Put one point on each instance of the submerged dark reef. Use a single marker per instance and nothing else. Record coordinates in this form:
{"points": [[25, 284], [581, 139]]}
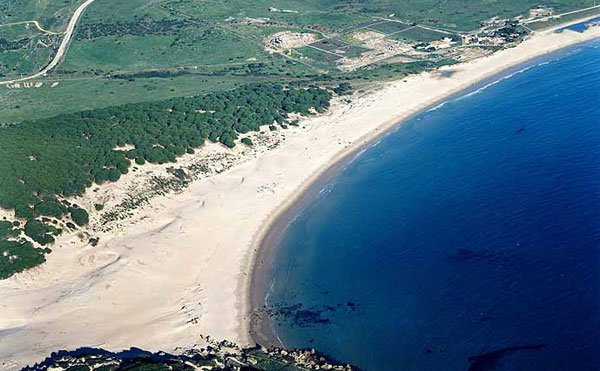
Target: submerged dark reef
{"points": [[489, 361]]}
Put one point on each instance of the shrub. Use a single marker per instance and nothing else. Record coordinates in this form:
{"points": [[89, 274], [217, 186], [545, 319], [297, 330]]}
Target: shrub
{"points": [[79, 216], [17, 256], [50, 208], [114, 175], [39, 232], [343, 88], [24, 212]]}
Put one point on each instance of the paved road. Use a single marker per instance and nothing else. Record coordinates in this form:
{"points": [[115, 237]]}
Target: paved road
{"points": [[61, 49], [543, 19]]}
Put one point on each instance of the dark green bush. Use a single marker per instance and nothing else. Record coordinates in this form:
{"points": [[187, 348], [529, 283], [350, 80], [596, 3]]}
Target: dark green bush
{"points": [[343, 88], [39, 232], [50, 208], [79, 216], [17, 256], [24, 212]]}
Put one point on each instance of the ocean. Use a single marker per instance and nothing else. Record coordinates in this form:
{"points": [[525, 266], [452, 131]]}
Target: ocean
{"points": [[468, 238]]}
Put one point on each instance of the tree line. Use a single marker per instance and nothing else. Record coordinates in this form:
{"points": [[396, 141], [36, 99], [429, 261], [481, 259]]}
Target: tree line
{"points": [[143, 27]]}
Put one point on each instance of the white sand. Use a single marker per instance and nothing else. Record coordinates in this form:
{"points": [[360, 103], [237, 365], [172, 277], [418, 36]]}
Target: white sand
{"points": [[183, 270]]}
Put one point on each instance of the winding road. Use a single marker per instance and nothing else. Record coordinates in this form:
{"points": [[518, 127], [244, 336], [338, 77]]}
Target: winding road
{"points": [[37, 25], [61, 49]]}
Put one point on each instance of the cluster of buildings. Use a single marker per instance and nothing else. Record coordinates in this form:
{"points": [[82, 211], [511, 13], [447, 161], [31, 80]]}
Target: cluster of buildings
{"points": [[495, 32], [444, 43], [540, 12]]}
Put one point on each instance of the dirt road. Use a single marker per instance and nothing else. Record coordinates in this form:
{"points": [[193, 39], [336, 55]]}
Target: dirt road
{"points": [[61, 49], [37, 25]]}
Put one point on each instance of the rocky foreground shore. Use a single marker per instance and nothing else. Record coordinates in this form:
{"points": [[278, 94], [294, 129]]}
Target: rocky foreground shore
{"points": [[216, 356]]}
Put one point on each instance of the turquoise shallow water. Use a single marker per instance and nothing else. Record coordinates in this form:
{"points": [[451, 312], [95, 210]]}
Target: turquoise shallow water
{"points": [[467, 238]]}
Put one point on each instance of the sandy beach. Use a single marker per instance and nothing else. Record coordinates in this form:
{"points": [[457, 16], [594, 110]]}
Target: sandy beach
{"points": [[183, 268]]}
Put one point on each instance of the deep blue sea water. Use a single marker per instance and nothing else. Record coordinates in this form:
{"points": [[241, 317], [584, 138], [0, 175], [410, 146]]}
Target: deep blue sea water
{"points": [[579, 27], [472, 228]]}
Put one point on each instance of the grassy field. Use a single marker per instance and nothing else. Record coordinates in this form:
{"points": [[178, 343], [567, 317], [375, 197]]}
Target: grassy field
{"points": [[52, 14], [221, 43], [24, 48], [389, 28], [192, 48], [26, 57], [77, 94]]}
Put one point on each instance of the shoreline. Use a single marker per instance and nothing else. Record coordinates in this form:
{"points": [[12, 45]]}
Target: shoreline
{"points": [[273, 229], [182, 268]]}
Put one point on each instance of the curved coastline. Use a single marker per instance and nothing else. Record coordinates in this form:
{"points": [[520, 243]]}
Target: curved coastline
{"points": [[255, 286], [186, 258]]}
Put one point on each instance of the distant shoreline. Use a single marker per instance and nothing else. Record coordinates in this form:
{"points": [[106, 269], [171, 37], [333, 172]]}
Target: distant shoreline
{"points": [[260, 326]]}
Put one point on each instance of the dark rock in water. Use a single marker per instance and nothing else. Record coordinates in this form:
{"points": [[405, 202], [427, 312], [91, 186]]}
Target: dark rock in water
{"points": [[308, 317], [298, 315], [488, 361]]}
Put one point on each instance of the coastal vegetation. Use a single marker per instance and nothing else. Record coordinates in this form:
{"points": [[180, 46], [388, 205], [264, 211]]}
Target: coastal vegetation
{"points": [[48, 161]]}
